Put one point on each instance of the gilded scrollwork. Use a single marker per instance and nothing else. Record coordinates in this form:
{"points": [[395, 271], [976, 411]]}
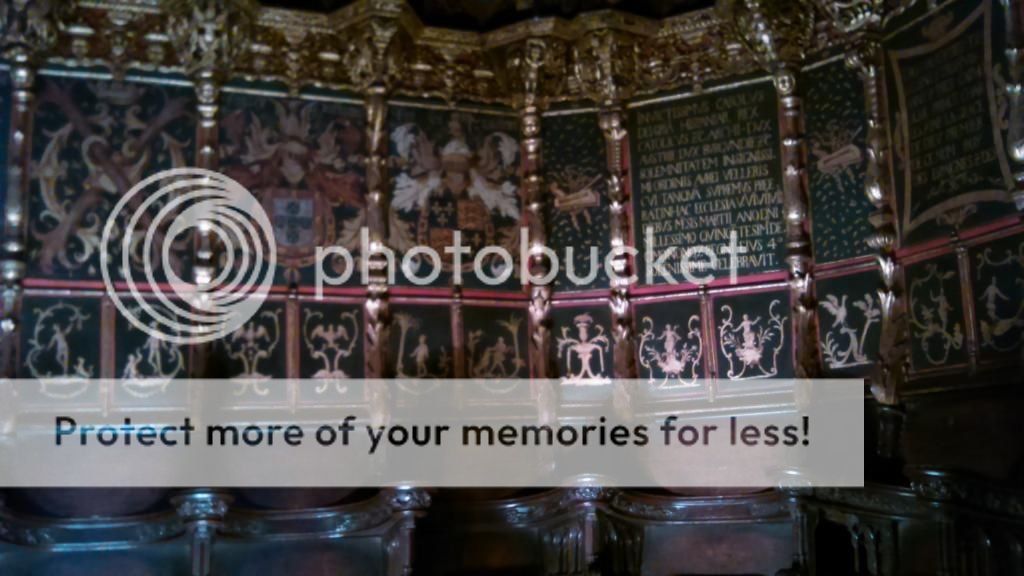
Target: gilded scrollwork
{"points": [[369, 42]]}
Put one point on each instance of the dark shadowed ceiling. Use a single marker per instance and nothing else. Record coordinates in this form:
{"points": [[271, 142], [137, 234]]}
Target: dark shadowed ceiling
{"points": [[486, 15]]}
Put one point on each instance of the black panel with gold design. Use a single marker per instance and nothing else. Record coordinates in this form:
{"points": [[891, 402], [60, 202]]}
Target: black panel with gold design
{"points": [[997, 277], [575, 170], [454, 171], [495, 339], [947, 90], [421, 341], [60, 337], [836, 129], [703, 167], [583, 343], [92, 141], [304, 162], [670, 344], [146, 363], [330, 351], [754, 335], [849, 322], [257, 350], [937, 330]]}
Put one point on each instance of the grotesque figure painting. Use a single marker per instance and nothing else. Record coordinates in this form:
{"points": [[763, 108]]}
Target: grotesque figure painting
{"points": [[92, 142]]}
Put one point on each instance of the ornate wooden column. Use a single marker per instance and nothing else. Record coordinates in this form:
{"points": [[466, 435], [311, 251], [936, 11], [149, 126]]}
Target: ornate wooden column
{"points": [[208, 36], [863, 20], [29, 31], [605, 63], [373, 63], [1015, 94], [526, 61], [778, 33]]}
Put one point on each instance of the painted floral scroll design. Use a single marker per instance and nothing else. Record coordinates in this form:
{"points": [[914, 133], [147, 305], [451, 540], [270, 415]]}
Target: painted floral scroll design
{"points": [[584, 352], [251, 345], [751, 346], [51, 353], [844, 342], [100, 141], [150, 366], [330, 344], [673, 357], [937, 333], [1000, 319]]}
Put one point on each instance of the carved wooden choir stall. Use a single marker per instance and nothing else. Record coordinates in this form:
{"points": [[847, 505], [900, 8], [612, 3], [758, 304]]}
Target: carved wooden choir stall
{"points": [[868, 154]]}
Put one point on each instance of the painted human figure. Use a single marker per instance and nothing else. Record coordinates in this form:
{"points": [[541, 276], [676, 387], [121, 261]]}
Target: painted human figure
{"points": [[991, 296], [943, 307], [498, 353], [421, 354], [59, 343], [670, 337], [747, 327]]}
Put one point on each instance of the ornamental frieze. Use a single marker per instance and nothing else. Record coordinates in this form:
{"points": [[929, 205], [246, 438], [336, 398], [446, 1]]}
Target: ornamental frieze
{"points": [[370, 41]]}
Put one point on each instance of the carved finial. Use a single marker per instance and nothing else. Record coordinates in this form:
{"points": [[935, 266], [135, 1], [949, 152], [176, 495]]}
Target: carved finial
{"points": [[28, 28], [606, 64], [209, 35], [855, 16], [372, 58], [777, 32]]}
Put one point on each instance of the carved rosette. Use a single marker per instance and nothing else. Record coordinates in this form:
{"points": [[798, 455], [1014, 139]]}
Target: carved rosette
{"points": [[778, 33], [28, 31]]}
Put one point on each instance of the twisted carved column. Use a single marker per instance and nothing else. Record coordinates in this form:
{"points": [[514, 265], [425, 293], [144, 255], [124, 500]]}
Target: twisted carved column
{"points": [[373, 64], [777, 33], [866, 56], [29, 31], [208, 37]]}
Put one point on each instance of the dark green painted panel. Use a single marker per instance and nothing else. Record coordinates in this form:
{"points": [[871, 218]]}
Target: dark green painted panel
{"points": [[836, 128], [575, 171], [670, 343], [754, 335], [849, 322], [937, 330], [997, 276], [949, 115]]}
